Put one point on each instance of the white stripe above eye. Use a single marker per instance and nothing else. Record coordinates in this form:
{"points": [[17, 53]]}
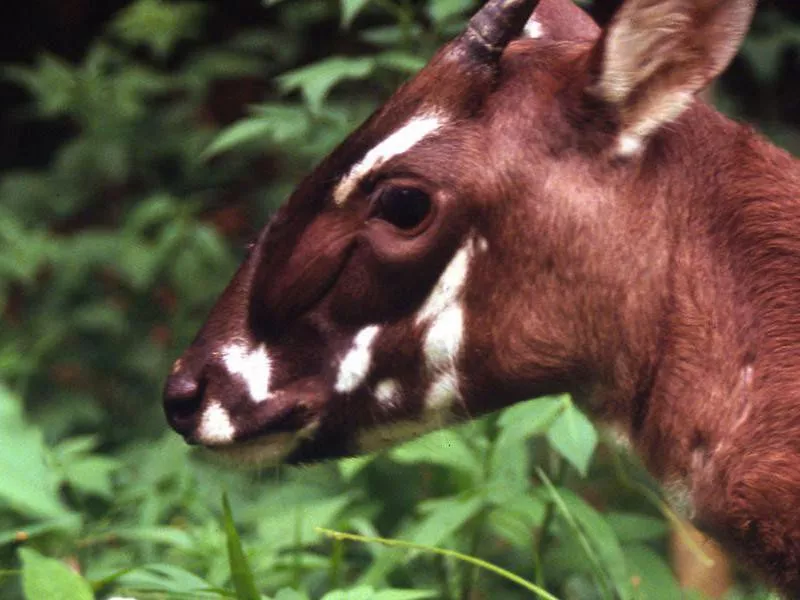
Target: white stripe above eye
{"points": [[397, 143]]}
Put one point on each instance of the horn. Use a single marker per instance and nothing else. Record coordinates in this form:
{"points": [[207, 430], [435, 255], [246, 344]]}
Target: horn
{"points": [[491, 29]]}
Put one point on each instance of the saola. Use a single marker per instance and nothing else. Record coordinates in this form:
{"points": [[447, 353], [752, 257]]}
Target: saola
{"points": [[549, 213]]}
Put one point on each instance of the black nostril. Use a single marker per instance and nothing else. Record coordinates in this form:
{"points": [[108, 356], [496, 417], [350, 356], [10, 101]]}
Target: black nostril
{"points": [[183, 398]]}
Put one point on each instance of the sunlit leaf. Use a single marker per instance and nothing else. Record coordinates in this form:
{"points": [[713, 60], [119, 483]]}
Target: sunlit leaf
{"points": [[317, 79], [30, 485], [574, 437], [350, 10], [651, 576], [46, 578], [446, 447], [444, 518]]}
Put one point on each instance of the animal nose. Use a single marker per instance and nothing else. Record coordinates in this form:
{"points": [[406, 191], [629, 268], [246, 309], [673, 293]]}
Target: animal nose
{"points": [[183, 397]]}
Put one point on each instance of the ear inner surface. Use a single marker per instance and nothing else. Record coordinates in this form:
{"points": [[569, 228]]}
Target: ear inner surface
{"points": [[657, 54]]}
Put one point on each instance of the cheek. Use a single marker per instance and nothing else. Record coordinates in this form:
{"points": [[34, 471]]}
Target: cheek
{"points": [[369, 291]]}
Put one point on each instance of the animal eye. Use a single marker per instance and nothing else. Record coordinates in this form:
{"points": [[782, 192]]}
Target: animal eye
{"points": [[403, 207]]}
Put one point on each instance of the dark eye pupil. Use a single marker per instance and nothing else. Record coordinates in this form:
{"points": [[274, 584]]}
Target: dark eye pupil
{"points": [[404, 207]]}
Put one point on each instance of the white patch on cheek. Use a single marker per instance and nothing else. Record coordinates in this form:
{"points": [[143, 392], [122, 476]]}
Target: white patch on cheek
{"points": [[450, 285], [387, 392], [443, 340], [533, 29], [444, 315], [354, 367], [442, 394], [215, 425], [397, 143], [253, 366]]}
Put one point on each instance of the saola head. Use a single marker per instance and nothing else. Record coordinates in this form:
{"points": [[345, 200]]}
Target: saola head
{"points": [[479, 240]]}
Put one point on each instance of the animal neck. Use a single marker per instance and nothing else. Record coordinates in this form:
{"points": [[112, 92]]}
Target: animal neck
{"points": [[727, 340]]}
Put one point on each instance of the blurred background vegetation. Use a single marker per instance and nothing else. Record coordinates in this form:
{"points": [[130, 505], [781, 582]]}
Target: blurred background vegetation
{"points": [[143, 144]]}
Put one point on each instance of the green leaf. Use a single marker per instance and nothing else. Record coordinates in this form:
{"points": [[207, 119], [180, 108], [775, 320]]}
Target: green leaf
{"points": [[316, 80], [651, 576], [92, 475], [350, 10], [30, 485], [599, 540], [241, 573], [46, 578], [631, 527], [444, 518], [167, 578], [446, 448], [402, 62], [441, 11], [534, 417], [271, 123], [159, 25], [290, 594], [574, 437]]}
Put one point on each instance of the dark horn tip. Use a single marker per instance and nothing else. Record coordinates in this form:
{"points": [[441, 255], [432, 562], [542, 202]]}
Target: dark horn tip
{"points": [[496, 24]]}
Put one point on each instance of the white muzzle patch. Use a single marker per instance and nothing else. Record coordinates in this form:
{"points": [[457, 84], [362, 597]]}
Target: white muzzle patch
{"points": [[252, 366]]}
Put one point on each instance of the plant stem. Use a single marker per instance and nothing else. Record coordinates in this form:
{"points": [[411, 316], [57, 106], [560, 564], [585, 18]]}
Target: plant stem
{"points": [[541, 593]]}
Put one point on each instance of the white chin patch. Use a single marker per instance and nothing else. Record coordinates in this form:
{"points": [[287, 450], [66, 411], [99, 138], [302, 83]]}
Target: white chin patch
{"points": [[252, 366], [355, 365], [269, 451], [390, 434], [215, 426]]}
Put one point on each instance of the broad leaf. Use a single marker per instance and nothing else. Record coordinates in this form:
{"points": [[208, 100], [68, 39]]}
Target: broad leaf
{"points": [[651, 576], [574, 437], [350, 10], [30, 486], [445, 518], [446, 448], [50, 579], [317, 79]]}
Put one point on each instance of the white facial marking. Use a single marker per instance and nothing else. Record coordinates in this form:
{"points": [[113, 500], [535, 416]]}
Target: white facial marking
{"points": [[215, 425], [356, 363], [397, 143], [533, 29], [253, 366], [448, 289], [443, 340], [387, 392], [442, 393], [628, 145]]}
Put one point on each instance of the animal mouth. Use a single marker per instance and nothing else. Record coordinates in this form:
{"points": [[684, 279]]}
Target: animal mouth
{"points": [[274, 429]]}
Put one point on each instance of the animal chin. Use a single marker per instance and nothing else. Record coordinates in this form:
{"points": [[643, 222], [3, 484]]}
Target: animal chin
{"points": [[268, 450]]}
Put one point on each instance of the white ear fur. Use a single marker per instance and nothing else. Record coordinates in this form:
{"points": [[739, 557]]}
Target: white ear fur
{"points": [[657, 54]]}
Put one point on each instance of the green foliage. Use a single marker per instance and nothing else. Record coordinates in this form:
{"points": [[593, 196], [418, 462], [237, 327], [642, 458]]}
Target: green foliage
{"points": [[112, 255]]}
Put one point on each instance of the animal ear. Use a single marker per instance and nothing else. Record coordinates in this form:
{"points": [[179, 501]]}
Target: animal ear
{"points": [[657, 54]]}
